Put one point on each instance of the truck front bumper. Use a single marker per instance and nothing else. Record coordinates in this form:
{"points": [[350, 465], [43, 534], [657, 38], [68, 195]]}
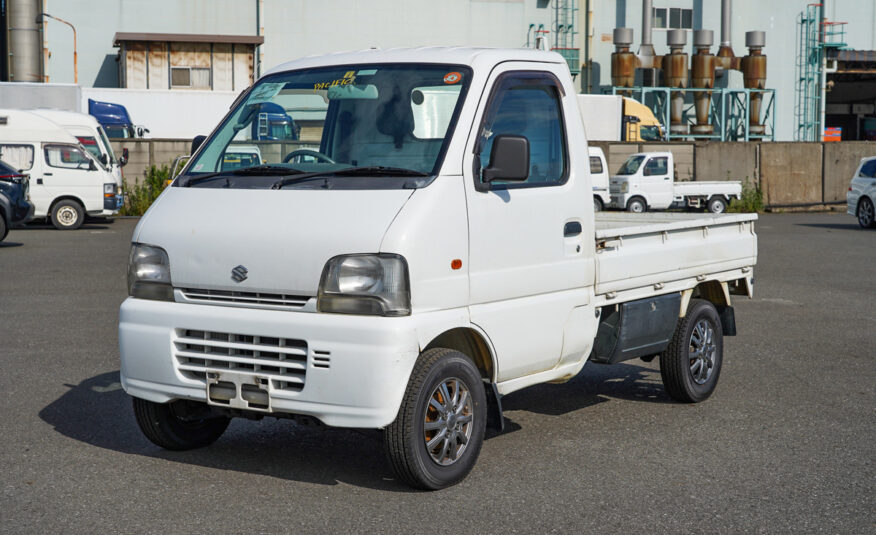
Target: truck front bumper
{"points": [[619, 200], [346, 371]]}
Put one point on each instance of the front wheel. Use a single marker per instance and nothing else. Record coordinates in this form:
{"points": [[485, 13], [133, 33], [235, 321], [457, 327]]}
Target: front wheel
{"points": [[67, 215], [597, 204], [636, 205], [717, 205], [4, 230], [437, 436], [866, 215], [691, 363], [176, 425]]}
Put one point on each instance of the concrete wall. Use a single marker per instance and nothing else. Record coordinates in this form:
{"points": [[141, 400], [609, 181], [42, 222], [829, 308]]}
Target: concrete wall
{"points": [[790, 173], [727, 161], [840, 161]]}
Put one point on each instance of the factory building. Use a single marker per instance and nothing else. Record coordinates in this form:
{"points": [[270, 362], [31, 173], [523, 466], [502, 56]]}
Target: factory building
{"points": [[819, 73]]}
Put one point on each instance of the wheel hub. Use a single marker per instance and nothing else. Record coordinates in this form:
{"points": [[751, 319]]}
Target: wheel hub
{"points": [[448, 421], [702, 352]]}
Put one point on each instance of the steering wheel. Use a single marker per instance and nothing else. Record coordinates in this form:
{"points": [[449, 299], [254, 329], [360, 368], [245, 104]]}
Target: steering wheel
{"points": [[307, 152]]}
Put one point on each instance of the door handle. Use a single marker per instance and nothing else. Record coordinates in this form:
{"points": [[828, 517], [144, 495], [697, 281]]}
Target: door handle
{"points": [[47, 174], [572, 228]]}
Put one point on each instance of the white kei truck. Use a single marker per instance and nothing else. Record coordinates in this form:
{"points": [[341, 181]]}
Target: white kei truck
{"points": [[419, 266], [646, 181]]}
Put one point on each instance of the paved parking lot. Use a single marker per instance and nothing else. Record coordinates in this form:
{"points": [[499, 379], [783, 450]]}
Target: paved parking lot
{"points": [[786, 444]]}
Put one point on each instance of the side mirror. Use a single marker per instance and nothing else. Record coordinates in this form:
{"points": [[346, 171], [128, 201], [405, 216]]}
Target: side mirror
{"points": [[197, 142], [104, 159], [123, 161], [509, 160], [92, 166]]}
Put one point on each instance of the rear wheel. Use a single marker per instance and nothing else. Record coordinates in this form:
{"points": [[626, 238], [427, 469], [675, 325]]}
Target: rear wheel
{"points": [[691, 364], [636, 205], [866, 215], [4, 230], [437, 436], [717, 205], [67, 215], [176, 425]]}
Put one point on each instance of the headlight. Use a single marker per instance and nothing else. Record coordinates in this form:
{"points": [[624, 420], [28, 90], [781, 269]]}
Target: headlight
{"points": [[624, 187], [149, 273], [365, 284]]}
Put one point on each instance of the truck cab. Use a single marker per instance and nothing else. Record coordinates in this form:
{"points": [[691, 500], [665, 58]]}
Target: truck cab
{"points": [[115, 120], [599, 178]]}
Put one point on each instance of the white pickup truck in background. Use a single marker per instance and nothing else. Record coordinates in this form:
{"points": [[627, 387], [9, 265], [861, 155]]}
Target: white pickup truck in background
{"points": [[646, 181], [421, 264], [599, 178]]}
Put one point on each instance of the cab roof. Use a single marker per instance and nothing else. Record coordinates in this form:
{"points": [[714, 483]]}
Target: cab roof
{"points": [[25, 126], [67, 118], [473, 57]]}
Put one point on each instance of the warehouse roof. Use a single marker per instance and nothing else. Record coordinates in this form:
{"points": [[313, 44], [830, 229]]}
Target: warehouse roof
{"points": [[188, 38]]}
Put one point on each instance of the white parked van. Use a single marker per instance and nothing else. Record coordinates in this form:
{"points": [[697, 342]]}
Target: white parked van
{"points": [[66, 181], [89, 132]]}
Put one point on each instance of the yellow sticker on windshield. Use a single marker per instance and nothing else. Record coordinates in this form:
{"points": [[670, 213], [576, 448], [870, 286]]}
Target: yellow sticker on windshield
{"points": [[349, 78]]}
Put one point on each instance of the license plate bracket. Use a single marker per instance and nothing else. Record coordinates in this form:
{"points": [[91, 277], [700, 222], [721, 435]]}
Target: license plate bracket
{"points": [[239, 391]]}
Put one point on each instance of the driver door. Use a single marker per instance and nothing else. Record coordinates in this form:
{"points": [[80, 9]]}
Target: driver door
{"points": [[657, 182], [67, 170]]}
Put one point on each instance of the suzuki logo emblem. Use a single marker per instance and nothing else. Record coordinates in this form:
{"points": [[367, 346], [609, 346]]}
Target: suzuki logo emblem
{"points": [[239, 274]]}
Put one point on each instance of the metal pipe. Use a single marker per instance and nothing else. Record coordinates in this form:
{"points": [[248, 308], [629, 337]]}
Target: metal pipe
{"points": [[703, 76], [75, 54], [725, 23], [24, 41], [754, 67], [647, 12], [646, 50], [623, 62], [675, 68]]}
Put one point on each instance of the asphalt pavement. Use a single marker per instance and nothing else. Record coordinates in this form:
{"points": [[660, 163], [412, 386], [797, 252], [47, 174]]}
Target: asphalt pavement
{"points": [[786, 444]]}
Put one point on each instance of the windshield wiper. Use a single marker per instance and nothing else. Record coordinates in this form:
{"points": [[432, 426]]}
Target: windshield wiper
{"points": [[258, 170], [374, 170]]}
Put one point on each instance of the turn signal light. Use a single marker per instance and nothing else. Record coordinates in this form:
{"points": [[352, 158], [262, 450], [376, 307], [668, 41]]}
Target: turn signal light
{"points": [[455, 264]]}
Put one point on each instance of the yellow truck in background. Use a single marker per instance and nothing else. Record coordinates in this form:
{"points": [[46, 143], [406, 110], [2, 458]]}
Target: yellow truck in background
{"points": [[618, 118]]}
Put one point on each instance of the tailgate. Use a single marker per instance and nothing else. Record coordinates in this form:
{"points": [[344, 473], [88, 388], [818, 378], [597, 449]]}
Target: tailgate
{"points": [[639, 250]]}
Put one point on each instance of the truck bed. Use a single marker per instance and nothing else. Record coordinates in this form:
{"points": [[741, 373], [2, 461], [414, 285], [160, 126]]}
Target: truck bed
{"points": [[652, 253], [703, 188]]}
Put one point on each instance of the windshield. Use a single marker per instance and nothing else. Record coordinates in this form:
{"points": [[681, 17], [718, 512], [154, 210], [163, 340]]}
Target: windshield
{"points": [[107, 146], [331, 119], [650, 133], [631, 165]]}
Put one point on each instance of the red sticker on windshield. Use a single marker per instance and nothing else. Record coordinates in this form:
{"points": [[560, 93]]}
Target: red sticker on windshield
{"points": [[452, 77]]}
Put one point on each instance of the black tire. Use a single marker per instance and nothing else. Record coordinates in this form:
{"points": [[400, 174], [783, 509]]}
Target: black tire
{"points": [[686, 377], [67, 215], [866, 213], [163, 427], [405, 440], [597, 204], [637, 205], [4, 229], [717, 205]]}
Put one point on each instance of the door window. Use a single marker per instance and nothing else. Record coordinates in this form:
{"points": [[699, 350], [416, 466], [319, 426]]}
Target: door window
{"points": [[868, 170], [657, 166], [66, 157], [595, 165], [528, 105], [18, 156]]}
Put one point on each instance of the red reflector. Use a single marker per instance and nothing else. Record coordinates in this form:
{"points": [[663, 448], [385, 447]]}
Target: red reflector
{"points": [[456, 264]]}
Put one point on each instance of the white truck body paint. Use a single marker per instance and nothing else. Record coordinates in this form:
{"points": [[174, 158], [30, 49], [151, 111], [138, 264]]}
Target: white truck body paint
{"points": [[528, 287]]}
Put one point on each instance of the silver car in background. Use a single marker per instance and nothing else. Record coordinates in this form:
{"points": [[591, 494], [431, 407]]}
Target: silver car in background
{"points": [[862, 193]]}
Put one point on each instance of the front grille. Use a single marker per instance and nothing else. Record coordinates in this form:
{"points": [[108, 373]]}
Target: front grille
{"points": [[250, 299], [281, 360]]}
